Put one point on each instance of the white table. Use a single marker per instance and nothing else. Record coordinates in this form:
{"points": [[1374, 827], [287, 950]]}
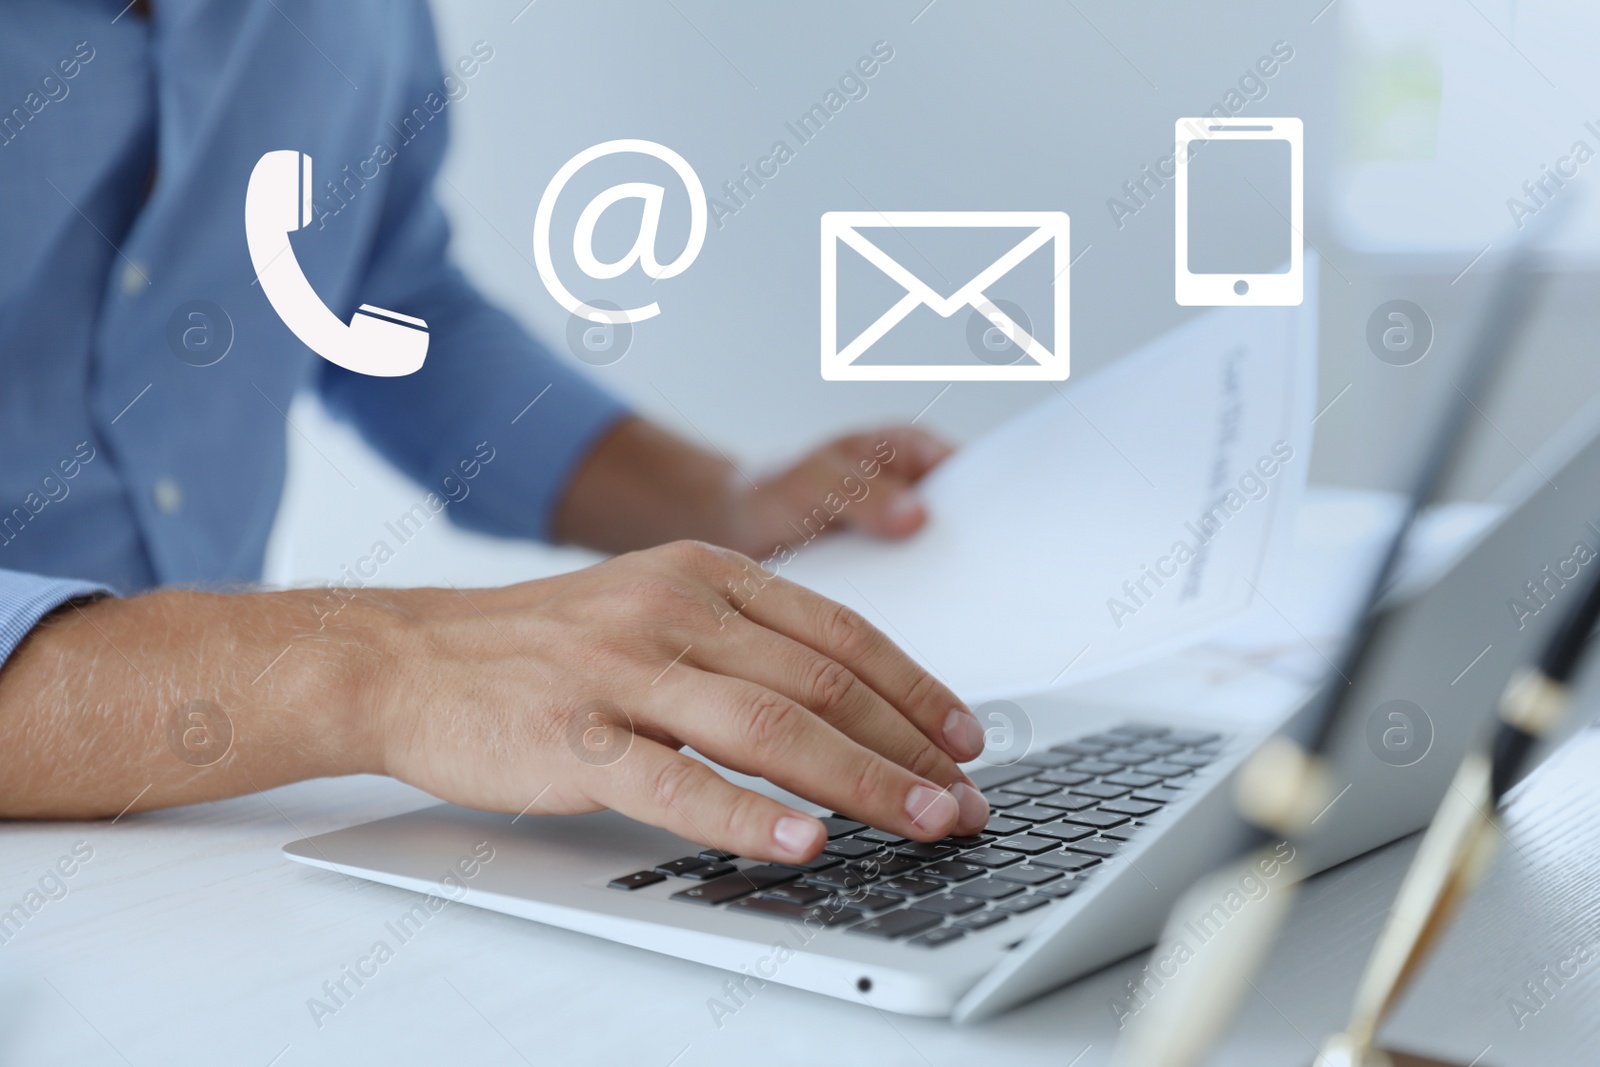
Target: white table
{"points": [[188, 938]]}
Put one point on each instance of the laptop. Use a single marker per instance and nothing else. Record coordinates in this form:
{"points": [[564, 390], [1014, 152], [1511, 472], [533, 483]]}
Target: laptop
{"points": [[1094, 832]]}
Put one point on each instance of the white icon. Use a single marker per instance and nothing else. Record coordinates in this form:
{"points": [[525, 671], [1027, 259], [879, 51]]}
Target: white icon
{"points": [[840, 363], [384, 344], [643, 251], [1218, 288]]}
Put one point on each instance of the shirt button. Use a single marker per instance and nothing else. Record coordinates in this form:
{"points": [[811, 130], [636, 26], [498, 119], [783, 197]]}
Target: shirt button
{"points": [[169, 498], [134, 279]]}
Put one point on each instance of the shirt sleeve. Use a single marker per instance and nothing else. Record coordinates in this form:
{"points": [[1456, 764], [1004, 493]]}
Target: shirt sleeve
{"points": [[27, 598], [487, 387]]}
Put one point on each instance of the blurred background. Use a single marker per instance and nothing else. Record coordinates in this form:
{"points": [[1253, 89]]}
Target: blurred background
{"points": [[1427, 124]]}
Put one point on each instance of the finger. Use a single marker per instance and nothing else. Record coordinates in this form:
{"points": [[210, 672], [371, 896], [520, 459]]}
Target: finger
{"points": [[754, 730], [908, 451], [846, 637], [898, 456], [657, 785], [832, 692]]}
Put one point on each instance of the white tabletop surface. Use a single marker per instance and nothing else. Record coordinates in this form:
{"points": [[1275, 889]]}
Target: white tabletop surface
{"points": [[186, 937]]}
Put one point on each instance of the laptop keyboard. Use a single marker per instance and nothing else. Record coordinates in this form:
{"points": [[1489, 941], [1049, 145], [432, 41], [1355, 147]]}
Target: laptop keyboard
{"points": [[1056, 817]]}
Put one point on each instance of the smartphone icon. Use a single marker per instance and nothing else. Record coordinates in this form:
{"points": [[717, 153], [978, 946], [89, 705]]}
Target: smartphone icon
{"points": [[1240, 206], [277, 202]]}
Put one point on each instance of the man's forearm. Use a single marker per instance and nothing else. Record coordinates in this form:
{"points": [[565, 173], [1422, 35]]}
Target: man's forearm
{"points": [[642, 486], [177, 697]]}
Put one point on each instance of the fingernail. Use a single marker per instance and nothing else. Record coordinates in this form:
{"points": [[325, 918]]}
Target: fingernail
{"points": [[974, 809], [931, 810], [797, 836], [903, 507], [962, 734]]}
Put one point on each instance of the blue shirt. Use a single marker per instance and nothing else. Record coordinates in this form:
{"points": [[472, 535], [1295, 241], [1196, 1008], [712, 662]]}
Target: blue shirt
{"points": [[125, 150]]}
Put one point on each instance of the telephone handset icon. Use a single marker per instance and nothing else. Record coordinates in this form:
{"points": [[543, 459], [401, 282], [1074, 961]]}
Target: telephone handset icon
{"points": [[277, 202]]}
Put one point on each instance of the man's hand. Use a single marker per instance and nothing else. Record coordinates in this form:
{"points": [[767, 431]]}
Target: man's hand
{"points": [[641, 486], [567, 694], [863, 482], [574, 693]]}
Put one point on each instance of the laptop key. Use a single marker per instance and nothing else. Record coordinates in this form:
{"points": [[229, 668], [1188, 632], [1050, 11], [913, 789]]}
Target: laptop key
{"points": [[874, 901], [882, 837], [1191, 737], [1190, 759], [990, 857], [823, 862], [804, 895], [1100, 820], [1128, 757], [1062, 831], [716, 855], [1081, 748], [1141, 730], [1096, 766], [708, 871], [1135, 808], [970, 841], [990, 889], [1103, 849], [1065, 861], [949, 904], [736, 885], [1157, 795], [1000, 824], [1157, 748], [1034, 813], [911, 885], [677, 867], [1049, 759], [636, 880], [1028, 845], [1133, 779], [1022, 904], [1064, 888], [1029, 788], [981, 921], [934, 938], [1062, 778], [839, 826], [873, 867], [902, 923], [851, 848], [951, 871], [1101, 790], [783, 909], [991, 777], [999, 799], [1163, 769], [1068, 801], [919, 850], [840, 878], [1120, 833], [1027, 874]]}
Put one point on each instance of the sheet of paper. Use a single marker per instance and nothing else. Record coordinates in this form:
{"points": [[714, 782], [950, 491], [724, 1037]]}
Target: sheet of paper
{"points": [[1126, 516]]}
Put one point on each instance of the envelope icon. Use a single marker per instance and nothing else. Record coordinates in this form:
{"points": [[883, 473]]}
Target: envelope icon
{"points": [[841, 361]]}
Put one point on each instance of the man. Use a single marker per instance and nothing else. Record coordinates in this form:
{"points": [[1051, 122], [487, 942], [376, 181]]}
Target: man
{"points": [[122, 164]]}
